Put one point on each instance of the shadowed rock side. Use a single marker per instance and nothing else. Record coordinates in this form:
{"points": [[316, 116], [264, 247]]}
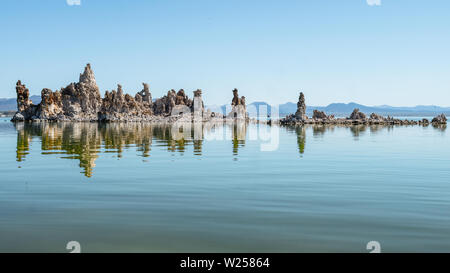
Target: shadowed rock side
{"points": [[355, 118], [82, 102]]}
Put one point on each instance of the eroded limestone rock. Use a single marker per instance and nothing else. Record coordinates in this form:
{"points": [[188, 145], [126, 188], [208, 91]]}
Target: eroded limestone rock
{"points": [[357, 115], [26, 108], [319, 115], [119, 107], [168, 104], [356, 118], [374, 117], [82, 102], [301, 108]]}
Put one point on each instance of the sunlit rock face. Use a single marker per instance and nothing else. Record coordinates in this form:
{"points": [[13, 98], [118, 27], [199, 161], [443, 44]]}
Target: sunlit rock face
{"points": [[119, 107], [376, 117], [166, 105], [82, 102], [78, 101]]}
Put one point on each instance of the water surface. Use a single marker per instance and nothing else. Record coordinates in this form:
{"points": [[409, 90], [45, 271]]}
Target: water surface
{"points": [[139, 188]]}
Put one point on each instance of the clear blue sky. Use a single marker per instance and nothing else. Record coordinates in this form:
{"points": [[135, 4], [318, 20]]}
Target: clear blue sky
{"points": [[396, 53]]}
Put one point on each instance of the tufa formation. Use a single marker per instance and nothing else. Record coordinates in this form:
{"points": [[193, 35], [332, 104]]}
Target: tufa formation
{"points": [[82, 102], [355, 118], [238, 107]]}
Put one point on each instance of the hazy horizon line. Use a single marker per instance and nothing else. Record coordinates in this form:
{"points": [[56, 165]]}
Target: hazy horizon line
{"points": [[293, 102]]}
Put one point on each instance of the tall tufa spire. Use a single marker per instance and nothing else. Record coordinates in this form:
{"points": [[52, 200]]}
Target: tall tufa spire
{"points": [[88, 76], [301, 107]]}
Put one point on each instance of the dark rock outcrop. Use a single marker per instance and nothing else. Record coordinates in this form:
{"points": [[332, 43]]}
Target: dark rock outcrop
{"points": [[319, 115], [356, 115], [26, 108], [441, 119], [238, 106], [236, 100], [376, 117]]}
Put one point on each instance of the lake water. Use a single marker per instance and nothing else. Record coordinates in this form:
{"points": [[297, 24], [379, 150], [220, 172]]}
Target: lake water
{"points": [[141, 188]]}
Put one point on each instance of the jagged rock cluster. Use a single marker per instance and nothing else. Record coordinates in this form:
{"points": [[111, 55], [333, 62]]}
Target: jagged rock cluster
{"points": [[320, 115], [441, 119], [117, 107], [25, 106], [82, 102], [236, 100], [78, 101], [356, 117], [172, 102], [238, 107]]}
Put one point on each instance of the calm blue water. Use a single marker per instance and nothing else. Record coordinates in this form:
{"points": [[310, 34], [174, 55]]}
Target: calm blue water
{"points": [[132, 188]]}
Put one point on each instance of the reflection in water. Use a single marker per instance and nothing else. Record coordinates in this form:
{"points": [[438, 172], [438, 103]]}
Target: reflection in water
{"points": [[300, 131], [358, 130], [440, 127], [301, 139], [84, 142], [320, 130], [239, 133]]}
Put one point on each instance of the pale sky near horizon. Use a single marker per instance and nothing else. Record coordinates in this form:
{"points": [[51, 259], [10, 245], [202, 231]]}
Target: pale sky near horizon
{"points": [[394, 53]]}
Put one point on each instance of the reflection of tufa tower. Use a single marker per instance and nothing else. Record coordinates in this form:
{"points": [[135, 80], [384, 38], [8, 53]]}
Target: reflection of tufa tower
{"points": [[301, 108], [238, 134], [301, 139]]}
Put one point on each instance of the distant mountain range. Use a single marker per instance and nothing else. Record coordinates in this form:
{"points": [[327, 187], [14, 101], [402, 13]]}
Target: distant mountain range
{"points": [[11, 104], [337, 109], [345, 109]]}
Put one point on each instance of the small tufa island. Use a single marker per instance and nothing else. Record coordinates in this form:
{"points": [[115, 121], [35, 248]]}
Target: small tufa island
{"points": [[82, 102], [355, 118]]}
